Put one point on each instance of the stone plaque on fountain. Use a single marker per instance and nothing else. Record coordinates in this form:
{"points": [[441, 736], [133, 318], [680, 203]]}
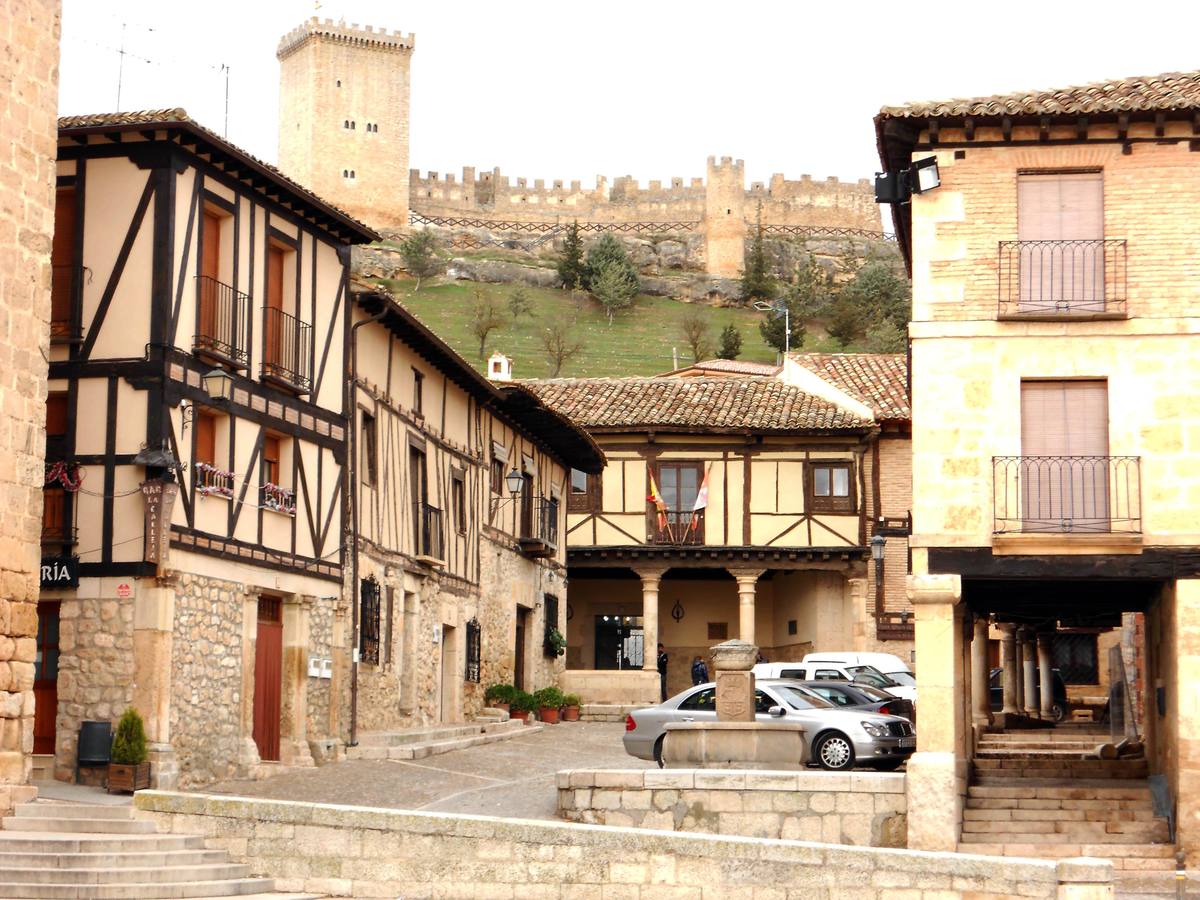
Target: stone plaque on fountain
{"points": [[733, 662]]}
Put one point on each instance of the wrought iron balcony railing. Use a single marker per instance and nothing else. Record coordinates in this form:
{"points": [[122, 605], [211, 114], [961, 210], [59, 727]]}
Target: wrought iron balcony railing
{"points": [[1067, 494], [222, 321], [1055, 279], [287, 347], [539, 528], [428, 530], [677, 527]]}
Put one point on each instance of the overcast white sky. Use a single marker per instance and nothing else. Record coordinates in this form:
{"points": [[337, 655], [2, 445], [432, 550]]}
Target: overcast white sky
{"points": [[564, 89]]}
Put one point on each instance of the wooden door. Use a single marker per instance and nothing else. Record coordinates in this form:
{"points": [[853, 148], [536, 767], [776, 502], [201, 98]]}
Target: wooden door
{"points": [[418, 475], [1060, 222], [45, 679], [210, 272], [527, 505], [519, 655], [273, 324], [268, 677]]}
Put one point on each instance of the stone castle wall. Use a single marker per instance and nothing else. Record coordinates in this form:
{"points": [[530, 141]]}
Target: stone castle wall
{"points": [[28, 138]]}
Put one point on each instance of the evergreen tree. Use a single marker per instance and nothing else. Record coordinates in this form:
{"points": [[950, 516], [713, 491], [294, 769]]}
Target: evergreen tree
{"points": [[885, 337], [880, 294], [571, 267], [605, 252], [518, 303], [612, 287], [731, 343], [757, 283]]}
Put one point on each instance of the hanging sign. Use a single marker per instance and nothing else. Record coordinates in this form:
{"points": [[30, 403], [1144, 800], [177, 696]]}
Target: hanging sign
{"points": [[159, 497], [60, 572]]}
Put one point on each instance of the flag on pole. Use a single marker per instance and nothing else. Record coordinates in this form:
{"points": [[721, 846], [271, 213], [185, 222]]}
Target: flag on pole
{"points": [[659, 504], [701, 501]]}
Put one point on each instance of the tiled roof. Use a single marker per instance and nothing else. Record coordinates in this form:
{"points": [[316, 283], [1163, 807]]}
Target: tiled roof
{"points": [[692, 404], [164, 118], [1173, 90], [880, 380], [729, 367]]}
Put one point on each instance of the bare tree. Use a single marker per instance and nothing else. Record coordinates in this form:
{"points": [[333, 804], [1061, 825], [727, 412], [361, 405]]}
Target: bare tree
{"points": [[560, 344], [486, 317], [695, 330], [419, 252]]}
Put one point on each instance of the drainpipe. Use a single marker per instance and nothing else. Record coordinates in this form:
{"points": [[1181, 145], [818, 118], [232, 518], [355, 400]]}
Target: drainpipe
{"points": [[351, 405]]}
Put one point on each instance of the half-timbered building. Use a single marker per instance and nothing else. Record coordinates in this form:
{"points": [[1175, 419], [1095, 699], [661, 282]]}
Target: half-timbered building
{"points": [[193, 527], [461, 488]]}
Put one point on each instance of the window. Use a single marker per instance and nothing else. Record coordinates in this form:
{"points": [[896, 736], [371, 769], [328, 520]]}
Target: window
{"points": [[54, 515], [584, 492], [828, 675], [339, 82], [474, 651], [497, 475], [270, 470], [762, 702], [831, 487], [418, 392], [275, 463], [62, 259], [56, 425], [551, 607], [458, 500], [702, 701], [1060, 230], [1077, 657], [718, 631], [368, 621], [679, 484], [368, 462], [791, 626], [206, 439]]}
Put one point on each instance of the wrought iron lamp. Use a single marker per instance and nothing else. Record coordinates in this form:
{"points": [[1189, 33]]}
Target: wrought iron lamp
{"points": [[218, 384], [878, 543], [513, 481]]}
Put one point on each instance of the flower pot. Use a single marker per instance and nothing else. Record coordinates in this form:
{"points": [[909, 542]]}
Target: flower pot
{"points": [[570, 713], [521, 714], [128, 778], [503, 706], [548, 714]]}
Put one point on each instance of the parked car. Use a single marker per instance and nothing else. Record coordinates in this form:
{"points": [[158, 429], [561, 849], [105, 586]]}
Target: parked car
{"points": [[835, 738], [888, 663], [861, 696], [1059, 711], [835, 671]]}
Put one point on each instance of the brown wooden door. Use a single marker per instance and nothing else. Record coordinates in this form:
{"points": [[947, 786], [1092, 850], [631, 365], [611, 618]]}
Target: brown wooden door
{"points": [[62, 257], [45, 679], [268, 677], [210, 272], [273, 327], [519, 655], [526, 505]]}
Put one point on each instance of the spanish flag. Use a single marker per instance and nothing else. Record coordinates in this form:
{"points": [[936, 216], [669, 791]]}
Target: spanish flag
{"points": [[659, 503]]}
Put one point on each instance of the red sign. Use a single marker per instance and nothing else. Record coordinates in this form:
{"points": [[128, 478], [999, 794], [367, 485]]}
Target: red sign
{"points": [[124, 591]]}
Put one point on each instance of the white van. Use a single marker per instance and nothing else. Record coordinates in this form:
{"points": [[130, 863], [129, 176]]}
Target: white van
{"points": [[889, 664], [835, 671]]}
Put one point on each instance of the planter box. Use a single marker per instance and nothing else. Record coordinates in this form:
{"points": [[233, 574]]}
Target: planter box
{"points": [[128, 778], [570, 713], [548, 714]]}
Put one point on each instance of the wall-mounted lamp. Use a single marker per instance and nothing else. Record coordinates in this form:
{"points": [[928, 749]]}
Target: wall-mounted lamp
{"points": [[898, 187], [677, 611], [878, 543], [514, 480], [218, 384]]}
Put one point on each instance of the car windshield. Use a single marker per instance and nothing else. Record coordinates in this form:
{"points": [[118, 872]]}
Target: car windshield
{"points": [[903, 678], [873, 692], [870, 675], [801, 698]]}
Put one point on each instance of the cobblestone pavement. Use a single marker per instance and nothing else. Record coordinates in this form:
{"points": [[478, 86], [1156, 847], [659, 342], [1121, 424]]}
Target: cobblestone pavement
{"points": [[513, 778]]}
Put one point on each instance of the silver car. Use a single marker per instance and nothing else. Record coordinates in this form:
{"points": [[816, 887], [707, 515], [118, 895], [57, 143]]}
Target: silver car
{"points": [[834, 738]]}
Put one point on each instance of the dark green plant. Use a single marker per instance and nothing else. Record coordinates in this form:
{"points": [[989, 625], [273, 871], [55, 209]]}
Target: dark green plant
{"points": [[730, 346], [885, 337], [548, 698], [519, 304], [499, 693], [757, 283], [614, 285], [522, 702], [880, 294], [419, 252], [571, 267], [847, 320], [572, 700], [556, 644], [129, 743]]}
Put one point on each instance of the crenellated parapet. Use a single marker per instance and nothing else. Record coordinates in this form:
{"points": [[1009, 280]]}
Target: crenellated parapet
{"points": [[364, 37]]}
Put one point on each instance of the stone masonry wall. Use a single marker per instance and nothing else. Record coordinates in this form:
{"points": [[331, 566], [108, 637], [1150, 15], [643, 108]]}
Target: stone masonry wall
{"points": [[29, 31], [206, 678], [347, 851], [864, 809], [320, 643], [895, 490]]}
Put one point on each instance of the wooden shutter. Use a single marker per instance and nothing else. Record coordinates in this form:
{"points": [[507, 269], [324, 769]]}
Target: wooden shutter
{"points": [[56, 415], [62, 257], [270, 455], [206, 440], [1068, 210], [273, 337]]}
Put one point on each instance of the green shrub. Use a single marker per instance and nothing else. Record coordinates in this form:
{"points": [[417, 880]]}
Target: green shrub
{"points": [[548, 698], [522, 702], [571, 700], [499, 693], [129, 743]]}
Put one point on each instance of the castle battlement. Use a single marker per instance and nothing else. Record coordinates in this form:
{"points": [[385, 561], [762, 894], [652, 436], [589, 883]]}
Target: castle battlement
{"points": [[363, 37]]}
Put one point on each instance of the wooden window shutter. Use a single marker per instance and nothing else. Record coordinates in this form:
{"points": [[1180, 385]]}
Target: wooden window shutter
{"points": [[62, 257], [1064, 207], [206, 439], [56, 415], [1060, 222]]}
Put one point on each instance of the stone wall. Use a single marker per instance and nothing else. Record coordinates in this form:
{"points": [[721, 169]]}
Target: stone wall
{"points": [[29, 31], [206, 678], [864, 809], [320, 644], [357, 852]]}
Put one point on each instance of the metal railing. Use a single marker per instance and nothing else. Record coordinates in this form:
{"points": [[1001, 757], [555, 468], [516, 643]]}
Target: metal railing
{"points": [[222, 321], [542, 523], [1067, 494], [287, 347], [428, 530], [279, 499], [210, 480], [677, 527], [1061, 278], [894, 626]]}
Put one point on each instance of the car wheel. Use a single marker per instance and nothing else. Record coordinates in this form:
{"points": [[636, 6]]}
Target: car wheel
{"points": [[834, 752], [888, 765], [658, 751], [1057, 712]]}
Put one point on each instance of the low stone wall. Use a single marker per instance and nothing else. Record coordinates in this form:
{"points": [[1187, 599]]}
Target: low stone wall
{"points": [[864, 809], [350, 851], [609, 687]]}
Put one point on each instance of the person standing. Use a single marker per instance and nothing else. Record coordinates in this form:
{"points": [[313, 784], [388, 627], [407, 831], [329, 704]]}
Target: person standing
{"points": [[662, 671], [699, 672]]}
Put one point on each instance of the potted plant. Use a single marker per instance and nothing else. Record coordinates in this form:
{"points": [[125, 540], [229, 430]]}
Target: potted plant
{"points": [[128, 769], [499, 696], [555, 643], [548, 700], [521, 705], [570, 708]]}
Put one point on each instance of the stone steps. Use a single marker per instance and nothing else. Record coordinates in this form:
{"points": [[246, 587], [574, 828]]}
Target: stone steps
{"points": [[1135, 885], [76, 825], [975, 814], [1125, 857], [434, 733], [84, 860], [433, 743], [1058, 831], [152, 890], [166, 874]]}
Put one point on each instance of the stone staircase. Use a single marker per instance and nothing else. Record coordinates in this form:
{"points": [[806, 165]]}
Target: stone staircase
{"points": [[419, 743], [77, 850], [1046, 794]]}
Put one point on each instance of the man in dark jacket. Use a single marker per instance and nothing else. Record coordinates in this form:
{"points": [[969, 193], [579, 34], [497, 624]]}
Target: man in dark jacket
{"points": [[699, 672], [662, 670]]}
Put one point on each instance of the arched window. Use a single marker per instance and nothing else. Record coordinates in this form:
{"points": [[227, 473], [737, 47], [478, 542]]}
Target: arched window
{"points": [[345, 173], [346, 124]]}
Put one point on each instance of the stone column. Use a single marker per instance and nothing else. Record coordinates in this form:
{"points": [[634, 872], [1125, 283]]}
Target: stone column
{"points": [[733, 662], [153, 644], [340, 665], [248, 756], [1045, 678], [981, 713], [1029, 669], [1178, 614], [293, 707], [1010, 677], [650, 580], [747, 579], [936, 780]]}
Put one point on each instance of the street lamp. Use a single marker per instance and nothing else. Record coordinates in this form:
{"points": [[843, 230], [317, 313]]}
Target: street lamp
{"points": [[218, 385], [514, 481], [779, 308], [878, 542]]}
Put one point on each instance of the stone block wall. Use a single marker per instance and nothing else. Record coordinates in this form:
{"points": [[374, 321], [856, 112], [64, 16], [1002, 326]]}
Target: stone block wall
{"points": [[346, 851], [29, 30], [864, 809]]}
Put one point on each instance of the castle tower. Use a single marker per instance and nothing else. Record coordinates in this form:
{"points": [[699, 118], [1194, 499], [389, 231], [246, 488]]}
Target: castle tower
{"points": [[343, 117], [725, 217]]}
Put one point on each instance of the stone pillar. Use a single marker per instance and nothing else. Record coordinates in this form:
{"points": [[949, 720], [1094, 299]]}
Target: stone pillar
{"points": [[746, 579], [293, 707], [1010, 677], [248, 756], [1179, 617], [340, 656], [981, 713], [1029, 670], [153, 646], [733, 662], [936, 780], [650, 580], [1045, 678]]}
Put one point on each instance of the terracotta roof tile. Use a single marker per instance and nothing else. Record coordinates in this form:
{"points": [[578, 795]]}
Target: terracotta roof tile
{"points": [[714, 404], [880, 380], [1172, 90], [730, 367]]}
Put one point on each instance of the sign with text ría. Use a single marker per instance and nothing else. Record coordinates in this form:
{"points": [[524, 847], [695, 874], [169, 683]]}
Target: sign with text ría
{"points": [[159, 497], [60, 572]]}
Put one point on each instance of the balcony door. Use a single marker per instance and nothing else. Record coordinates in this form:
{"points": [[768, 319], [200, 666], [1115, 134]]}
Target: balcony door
{"points": [[210, 276], [1060, 226], [680, 483], [1064, 456], [273, 356]]}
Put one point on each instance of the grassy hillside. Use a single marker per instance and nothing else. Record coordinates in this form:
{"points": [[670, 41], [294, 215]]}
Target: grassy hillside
{"points": [[638, 342]]}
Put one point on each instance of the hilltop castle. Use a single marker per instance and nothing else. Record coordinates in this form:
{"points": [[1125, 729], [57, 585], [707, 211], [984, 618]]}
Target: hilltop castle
{"points": [[343, 131]]}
